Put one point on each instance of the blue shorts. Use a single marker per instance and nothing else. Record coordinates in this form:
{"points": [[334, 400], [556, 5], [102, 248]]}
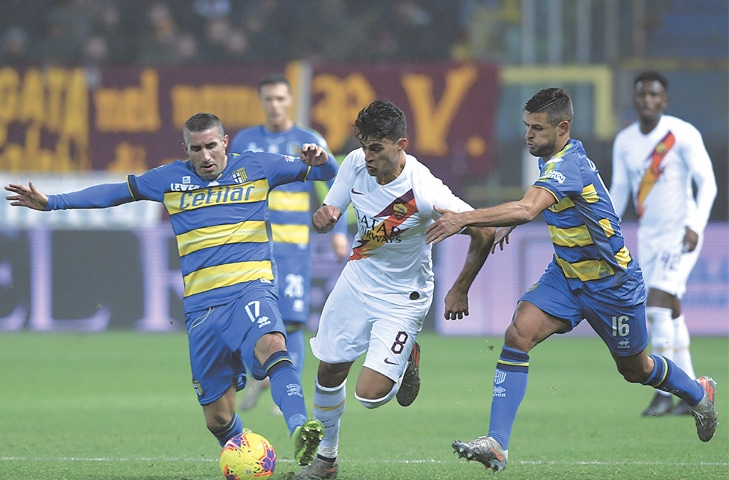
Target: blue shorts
{"points": [[616, 314], [221, 340]]}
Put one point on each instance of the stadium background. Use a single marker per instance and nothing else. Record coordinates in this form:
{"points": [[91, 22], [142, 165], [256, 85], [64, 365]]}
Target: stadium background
{"points": [[90, 91]]}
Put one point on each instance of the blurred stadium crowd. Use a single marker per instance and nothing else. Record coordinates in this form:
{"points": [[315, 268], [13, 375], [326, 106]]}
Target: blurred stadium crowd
{"points": [[189, 32]]}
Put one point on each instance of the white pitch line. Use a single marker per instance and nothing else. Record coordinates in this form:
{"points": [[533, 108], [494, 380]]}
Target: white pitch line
{"points": [[373, 462]]}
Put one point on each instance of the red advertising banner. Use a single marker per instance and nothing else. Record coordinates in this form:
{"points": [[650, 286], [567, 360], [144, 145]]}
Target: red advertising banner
{"points": [[130, 119], [450, 107]]}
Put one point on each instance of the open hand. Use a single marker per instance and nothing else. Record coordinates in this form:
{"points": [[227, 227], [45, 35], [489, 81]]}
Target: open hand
{"points": [[442, 228], [501, 237], [28, 196], [313, 155]]}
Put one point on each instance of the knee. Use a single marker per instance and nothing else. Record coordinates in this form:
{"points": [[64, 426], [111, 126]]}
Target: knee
{"points": [[269, 344], [635, 372], [514, 338], [215, 422], [375, 394], [632, 376], [374, 400], [332, 375], [511, 336]]}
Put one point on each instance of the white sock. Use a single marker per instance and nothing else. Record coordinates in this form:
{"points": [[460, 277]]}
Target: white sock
{"points": [[662, 334], [681, 342], [328, 409]]}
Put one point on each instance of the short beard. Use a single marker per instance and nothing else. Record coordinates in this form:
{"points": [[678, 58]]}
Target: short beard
{"points": [[542, 151]]}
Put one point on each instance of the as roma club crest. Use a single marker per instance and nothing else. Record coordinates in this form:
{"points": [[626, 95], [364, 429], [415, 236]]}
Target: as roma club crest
{"points": [[399, 210]]}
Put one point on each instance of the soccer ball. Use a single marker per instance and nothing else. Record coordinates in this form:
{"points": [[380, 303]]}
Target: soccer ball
{"points": [[247, 456]]}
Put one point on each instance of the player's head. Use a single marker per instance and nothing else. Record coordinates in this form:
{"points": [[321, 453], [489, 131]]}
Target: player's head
{"points": [[555, 102], [651, 77], [205, 142], [650, 97], [547, 118], [379, 120], [273, 79], [274, 93], [381, 129]]}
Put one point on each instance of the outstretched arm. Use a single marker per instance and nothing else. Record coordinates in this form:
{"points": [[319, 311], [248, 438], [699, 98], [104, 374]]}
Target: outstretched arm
{"points": [[97, 196], [514, 213], [456, 300]]}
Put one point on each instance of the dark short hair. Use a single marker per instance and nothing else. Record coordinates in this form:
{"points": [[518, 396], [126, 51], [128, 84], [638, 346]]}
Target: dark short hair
{"points": [[201, 122], [651, 76], [555, 102], [274, 79], [381, 119]]}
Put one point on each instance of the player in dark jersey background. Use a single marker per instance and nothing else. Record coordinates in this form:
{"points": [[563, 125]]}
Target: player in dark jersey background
{"points": [[290, 208], [218, 208]]}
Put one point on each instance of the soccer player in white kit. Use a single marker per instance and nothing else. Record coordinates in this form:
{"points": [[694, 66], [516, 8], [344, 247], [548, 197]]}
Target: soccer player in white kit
{"points": [[657, 159], [384, 292]]}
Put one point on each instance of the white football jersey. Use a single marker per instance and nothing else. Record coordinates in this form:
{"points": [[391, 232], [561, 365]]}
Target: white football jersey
{"points": [[389, 254], [658, 168]]}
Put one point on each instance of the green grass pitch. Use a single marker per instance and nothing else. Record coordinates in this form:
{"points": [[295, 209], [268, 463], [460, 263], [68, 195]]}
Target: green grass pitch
{"points": [[120, 405]]}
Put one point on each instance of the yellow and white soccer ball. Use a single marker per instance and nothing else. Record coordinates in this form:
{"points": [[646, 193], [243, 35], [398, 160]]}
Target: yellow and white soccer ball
{"points": [[247, 456]]}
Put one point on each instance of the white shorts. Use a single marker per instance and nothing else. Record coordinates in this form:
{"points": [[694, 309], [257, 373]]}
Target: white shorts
{"points": [[353, 323], [665, 265]]}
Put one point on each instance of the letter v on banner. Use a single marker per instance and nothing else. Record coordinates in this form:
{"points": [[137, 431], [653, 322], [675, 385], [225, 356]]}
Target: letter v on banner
{"points": [[433, 120]]}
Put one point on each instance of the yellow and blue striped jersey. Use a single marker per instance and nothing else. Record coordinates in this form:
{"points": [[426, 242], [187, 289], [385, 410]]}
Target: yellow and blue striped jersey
{"points": [[222, 227], [583, 226]]}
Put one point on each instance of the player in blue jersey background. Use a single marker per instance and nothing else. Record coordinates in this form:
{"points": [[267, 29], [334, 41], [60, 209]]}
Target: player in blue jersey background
{"points": [[218, 208], [592, 276], [290, 207]]}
